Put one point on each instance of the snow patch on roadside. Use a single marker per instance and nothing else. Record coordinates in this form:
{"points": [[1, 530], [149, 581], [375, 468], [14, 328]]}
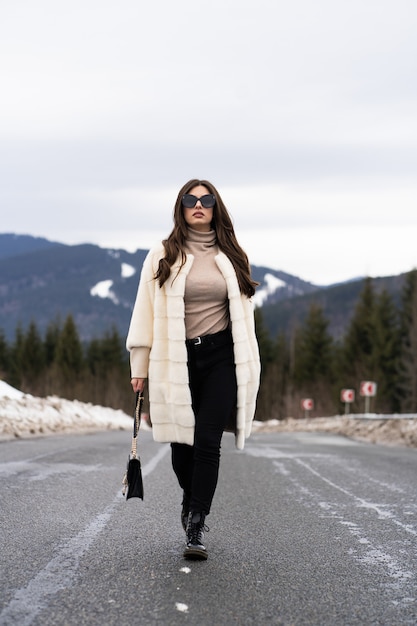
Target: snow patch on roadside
{"points": [[8, 391], [23, 415], [383, 429]]}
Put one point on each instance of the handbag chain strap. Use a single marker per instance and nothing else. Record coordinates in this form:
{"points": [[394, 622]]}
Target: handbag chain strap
{"points": [[138, 408]]}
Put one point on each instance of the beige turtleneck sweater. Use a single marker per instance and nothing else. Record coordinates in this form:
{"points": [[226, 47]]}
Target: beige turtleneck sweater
{"points": [[206, 304]]}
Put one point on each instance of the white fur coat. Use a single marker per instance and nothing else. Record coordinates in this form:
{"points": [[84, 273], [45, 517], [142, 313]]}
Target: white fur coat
{"points": [[156, 341]]}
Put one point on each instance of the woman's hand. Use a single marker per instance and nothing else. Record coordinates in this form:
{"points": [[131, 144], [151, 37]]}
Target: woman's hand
{"points": [[137, 384]]}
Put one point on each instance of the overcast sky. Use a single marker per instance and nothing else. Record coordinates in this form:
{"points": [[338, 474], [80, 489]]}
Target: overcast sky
{"points": [[302, 113]]}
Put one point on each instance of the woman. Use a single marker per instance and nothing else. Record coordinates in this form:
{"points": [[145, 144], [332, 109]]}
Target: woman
{"points": [[192, 335]]}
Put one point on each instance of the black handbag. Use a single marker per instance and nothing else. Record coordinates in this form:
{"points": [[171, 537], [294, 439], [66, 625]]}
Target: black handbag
{"points": [[132, 479]]}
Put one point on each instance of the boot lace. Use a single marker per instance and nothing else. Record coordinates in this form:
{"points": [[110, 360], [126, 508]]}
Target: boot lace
{"points": [[196, 530]]}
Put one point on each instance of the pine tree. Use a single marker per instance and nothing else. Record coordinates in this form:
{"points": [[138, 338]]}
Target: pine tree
{"points": [[114, 352], [94, 357], [357, 350], [386, 354], [313, 373], [52, 335], [281, 378], [109, 373], [408, 335], [34, 360], [271, 403], [16, 368], [69, 359], [314, 345]]}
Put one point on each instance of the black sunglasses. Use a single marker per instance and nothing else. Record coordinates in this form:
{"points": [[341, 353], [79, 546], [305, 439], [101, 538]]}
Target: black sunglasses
{"points": [[189, 201]]}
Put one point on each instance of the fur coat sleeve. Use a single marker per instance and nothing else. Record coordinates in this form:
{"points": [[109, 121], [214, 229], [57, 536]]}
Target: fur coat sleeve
{"points": [[156, 341]]}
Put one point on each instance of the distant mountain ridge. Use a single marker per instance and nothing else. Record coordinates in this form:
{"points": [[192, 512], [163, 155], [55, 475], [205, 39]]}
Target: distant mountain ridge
{"points": [[44, 281], [13, 245]]}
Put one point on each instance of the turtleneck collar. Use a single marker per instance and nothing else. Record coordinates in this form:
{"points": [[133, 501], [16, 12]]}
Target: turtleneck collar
{"points": [[206, 238]]}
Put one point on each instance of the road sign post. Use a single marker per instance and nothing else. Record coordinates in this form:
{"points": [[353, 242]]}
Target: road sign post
{"points": [[307, 404], [347, 396], [368, 391]]}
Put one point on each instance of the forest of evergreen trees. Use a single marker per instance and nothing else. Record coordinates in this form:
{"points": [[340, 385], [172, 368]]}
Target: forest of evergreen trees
{"points": [[379, 345], [60, 364]]}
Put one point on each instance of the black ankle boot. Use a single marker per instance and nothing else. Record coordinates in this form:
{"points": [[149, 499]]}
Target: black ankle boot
{"points": [[185, 510], [195, 548]]}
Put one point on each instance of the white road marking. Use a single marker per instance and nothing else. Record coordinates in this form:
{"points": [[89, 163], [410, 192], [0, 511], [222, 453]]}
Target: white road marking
{"points": [[378, 508], [373, 555], [59, 573]]}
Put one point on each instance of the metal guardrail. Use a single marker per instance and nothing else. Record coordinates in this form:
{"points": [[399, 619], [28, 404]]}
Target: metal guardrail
{"points": [[380, 416]]}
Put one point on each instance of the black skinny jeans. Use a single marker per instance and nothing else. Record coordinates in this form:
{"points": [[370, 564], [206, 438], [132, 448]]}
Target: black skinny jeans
{"points": [[212, 376]]}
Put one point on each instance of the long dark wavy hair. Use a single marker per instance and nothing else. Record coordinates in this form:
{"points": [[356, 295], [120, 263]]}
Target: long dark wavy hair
{"points": [[226, 240]]}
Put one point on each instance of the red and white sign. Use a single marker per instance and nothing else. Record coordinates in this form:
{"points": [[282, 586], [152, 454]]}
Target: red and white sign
{"points": [[307, 404], [368, 388], [347, 395]]}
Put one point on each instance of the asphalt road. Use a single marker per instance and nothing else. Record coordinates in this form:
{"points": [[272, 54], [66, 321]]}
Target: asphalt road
{"points": [[305, 529]]}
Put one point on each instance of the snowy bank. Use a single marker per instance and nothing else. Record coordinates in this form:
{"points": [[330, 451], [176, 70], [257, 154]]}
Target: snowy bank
{"points": [[396, 430], [23, 415]]}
